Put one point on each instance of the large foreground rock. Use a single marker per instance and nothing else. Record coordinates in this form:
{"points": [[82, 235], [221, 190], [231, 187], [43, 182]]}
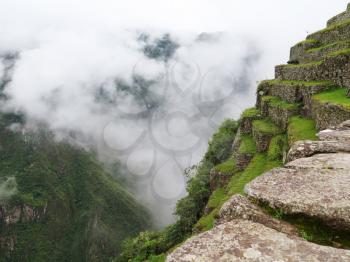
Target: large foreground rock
{"points": [[308, 148], [317, 186], [242, 240], [239, 207]]}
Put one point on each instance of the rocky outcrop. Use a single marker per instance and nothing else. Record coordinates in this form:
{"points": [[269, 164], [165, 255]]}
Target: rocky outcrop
{"points": [[218, 179], [22, 213], [308, 148], [243, 240], [312, 189], [239, 207]]}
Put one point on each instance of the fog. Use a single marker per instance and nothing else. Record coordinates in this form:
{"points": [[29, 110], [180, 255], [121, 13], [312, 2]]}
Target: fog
{"points": [[145, 83]]}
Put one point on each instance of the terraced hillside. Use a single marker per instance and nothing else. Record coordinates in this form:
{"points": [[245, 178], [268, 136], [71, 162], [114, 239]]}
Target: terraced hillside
{"points": [[284, 192], [57, 203]]}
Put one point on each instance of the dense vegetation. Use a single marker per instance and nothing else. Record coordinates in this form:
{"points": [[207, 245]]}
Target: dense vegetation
{"points": [[151, 245], [82, 213]]}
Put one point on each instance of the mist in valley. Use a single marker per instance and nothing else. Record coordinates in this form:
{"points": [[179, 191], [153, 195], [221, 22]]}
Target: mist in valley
{"points": [[143, 84]]}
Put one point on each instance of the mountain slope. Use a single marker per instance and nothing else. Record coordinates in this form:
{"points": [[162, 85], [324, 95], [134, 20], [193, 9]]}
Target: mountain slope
{"points": [[65, 207]]}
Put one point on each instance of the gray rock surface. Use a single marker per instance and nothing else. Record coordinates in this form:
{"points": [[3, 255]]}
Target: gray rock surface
{"points": [[242, 240], [239, 207], [308, 148], [322, 191]]}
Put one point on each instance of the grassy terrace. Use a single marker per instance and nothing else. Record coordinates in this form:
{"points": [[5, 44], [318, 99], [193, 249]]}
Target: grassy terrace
{"points": [[307, 41], [329, 46], [277, 102], [335, 96], [297, 83], [227, 167], [247, 145], [330, 28], [278, 145], [300, 128], [339, 53], [265, 126], [250, 112]]}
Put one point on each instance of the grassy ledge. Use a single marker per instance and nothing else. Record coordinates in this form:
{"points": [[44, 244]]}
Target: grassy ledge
{"points": [[227, 167], [250, 112], [247, 145], [266, 126], [277, 102], [335, 96], [300, 128], [330, 28]]}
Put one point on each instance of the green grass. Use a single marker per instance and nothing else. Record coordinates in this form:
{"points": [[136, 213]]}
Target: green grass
{"points": [[300, 128], [206, 222], [298, 83], [329, 46], [227, 167], [78, 193], [250, 112], [278, 145], [335, 96], [277, 102], [257, 166], [266, 126], [247, 145], [339, 52], [159, 258], [307, 41], [330, 28], [312, 229], [217, 198]]}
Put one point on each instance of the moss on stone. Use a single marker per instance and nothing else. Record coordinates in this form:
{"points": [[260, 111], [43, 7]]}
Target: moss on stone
{"points": [[336, 26], [277, 147], [312, 229], [329, 46], [247, 145], [277, 102], [265, 126], [307, 41], [300, 128], [250, 112], [340, 52], [336, 96], [298, 83]]}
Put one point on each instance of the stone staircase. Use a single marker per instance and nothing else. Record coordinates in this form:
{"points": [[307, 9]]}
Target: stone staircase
{"points": [[310, 192]]}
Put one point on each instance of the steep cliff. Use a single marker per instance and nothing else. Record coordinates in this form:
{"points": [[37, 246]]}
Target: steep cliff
{"points": [[299, 210], [57, 203]]}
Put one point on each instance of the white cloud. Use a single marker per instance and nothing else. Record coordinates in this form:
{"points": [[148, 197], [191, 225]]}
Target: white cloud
{"points": [[69, 49]]}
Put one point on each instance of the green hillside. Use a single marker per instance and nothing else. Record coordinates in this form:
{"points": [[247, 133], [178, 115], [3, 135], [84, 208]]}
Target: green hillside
{"points": [[68, 208]]}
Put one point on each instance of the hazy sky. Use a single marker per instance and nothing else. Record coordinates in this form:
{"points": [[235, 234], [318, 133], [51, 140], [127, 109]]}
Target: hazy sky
{"points": [[69, 50]]}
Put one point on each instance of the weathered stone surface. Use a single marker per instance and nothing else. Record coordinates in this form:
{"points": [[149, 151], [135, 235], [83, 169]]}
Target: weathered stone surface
{"points": [[246, 124], [340, 133], [278, 114], [327, 114], [308, 148], [335, 161], [317, 186], [242, 160], [332, 34], [300, 49], [334, 68], [339, 18], [242, 240], [23, 213], [239, 207], [218, 179]]}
